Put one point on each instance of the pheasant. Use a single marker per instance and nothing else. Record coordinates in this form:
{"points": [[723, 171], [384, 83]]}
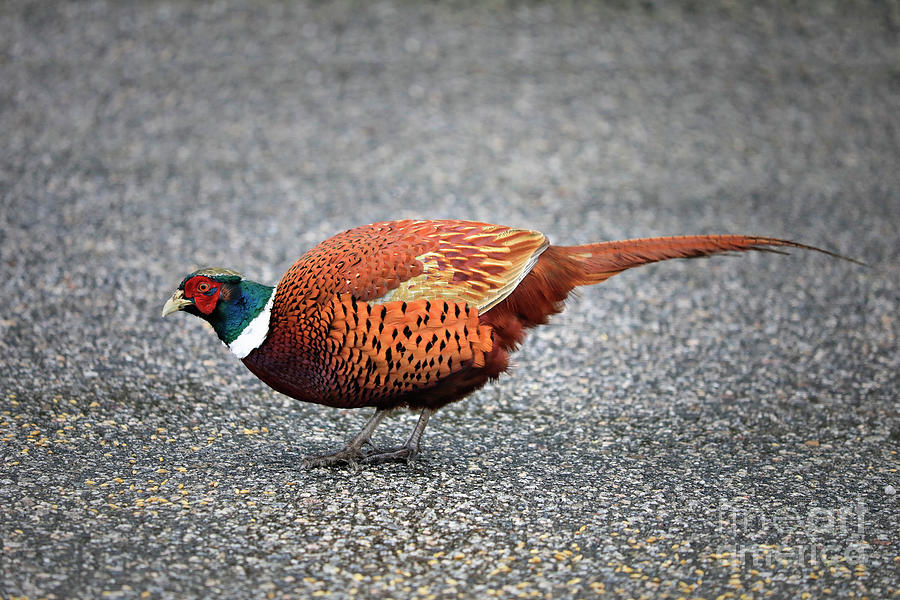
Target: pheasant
{"points": [[411, 314]]}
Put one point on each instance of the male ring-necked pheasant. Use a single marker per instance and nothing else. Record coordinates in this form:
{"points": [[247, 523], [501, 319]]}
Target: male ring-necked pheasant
{"points": [[411, 314]]}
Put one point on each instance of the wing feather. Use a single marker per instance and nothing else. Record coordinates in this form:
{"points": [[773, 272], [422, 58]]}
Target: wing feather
{"points": [[477, 264]]}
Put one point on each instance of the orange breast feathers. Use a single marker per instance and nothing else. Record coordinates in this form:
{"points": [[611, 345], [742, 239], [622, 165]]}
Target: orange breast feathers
{"points": [[402, 346], [405, 296]]}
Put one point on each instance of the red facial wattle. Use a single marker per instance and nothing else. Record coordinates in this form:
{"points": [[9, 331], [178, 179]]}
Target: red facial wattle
{"points": [[204, 292]]}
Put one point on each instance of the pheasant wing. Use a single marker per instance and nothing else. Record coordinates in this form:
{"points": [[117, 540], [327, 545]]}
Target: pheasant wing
{"points": [[477, 264]]}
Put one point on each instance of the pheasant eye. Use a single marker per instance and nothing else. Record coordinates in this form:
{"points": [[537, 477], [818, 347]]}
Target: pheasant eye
{"points": [[203, 287]]}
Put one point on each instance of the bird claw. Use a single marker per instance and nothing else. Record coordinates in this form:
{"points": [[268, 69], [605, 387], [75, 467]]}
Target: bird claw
{"points": [[347, 455], [356, 456], [361, 450], [401, 454]]}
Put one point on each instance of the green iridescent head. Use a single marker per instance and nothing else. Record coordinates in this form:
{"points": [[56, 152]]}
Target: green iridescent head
{"points": [[222, 297]]}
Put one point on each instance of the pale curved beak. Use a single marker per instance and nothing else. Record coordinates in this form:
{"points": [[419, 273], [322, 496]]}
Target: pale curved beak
{"points": [[175, 303]]}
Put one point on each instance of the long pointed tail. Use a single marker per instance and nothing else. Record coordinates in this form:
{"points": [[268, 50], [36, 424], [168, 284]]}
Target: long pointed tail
{"points": [[562, 268], [601, 261]]}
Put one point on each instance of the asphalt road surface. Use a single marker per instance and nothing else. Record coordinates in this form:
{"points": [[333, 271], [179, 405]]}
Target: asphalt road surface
{"points": [[718, 428]]}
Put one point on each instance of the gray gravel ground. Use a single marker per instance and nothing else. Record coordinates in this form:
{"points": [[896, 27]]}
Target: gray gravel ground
{"points": [[720, 428]]}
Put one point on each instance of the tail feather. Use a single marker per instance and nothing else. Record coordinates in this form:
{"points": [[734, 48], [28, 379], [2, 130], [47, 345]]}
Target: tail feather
{"points": [[601, 261], [562, 268]]}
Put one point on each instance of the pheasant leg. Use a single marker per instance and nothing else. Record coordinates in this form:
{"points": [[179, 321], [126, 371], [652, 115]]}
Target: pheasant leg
{"points": [[406, 452], [353, 450]]}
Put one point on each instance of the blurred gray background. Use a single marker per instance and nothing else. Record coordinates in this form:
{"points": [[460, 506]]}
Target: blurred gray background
{"points": [[691, 429]]}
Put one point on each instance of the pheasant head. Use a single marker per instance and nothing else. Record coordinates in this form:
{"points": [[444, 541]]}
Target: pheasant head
{"points": [[237, 308]]}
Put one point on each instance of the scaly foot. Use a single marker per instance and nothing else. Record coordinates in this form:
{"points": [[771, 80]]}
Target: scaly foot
{"points": [[348, 455], [402, 454]]}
